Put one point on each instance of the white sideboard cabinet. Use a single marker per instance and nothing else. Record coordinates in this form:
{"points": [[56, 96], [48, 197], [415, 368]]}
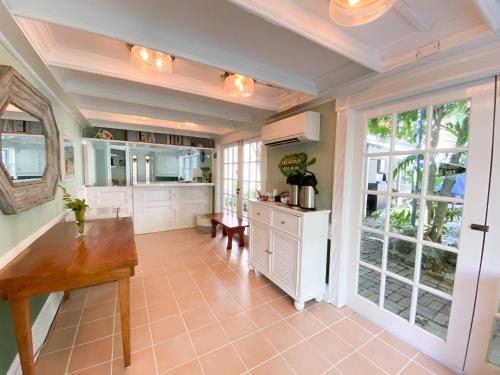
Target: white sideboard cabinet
{"points": [[289, 246]]}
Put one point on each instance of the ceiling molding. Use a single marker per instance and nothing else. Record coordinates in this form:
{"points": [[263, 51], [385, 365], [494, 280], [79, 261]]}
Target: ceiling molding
{"points": [[490, 10], [291, 16], [417, 20]]}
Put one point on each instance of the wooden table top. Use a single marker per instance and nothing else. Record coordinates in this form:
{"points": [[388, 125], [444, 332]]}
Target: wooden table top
{"points": [[229, 220], [58, 255]]}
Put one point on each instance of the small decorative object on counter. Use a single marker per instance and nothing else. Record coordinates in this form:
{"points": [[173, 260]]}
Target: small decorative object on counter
{"points": [[104, 134], [78, 206]]}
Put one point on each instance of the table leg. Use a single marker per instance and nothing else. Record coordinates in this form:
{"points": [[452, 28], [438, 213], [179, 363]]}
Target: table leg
{"points": [[229, 239], [22, 326], [66, 295], [214, 228], [241, 237], [124, 290], [224, 230]]}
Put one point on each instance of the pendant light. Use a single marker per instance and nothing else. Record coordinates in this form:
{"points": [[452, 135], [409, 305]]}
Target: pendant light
{"points": [[358, 12], [159, 61], [238, 86]]}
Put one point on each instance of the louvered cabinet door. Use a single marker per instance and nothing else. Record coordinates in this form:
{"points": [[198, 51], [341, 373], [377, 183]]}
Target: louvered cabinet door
{"points": [[259, 246], [284, 260]]}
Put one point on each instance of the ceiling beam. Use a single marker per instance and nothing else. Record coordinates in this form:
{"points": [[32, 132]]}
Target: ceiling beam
{"points": [[291, 16], [417, 21], [490, 11], [133, 95], [127, 26], [130, 109], [98, 118]]}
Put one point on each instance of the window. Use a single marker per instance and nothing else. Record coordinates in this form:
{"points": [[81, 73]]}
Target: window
{"points": [[230, 179], [187, 164], [415, 170], [251, 172], [245, 157]]}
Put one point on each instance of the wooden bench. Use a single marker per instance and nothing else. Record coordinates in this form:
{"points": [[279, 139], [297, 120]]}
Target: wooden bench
{"points": [[231, 224]]}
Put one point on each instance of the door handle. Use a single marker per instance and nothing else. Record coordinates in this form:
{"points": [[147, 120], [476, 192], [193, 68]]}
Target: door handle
{"points": [[480, 227]]}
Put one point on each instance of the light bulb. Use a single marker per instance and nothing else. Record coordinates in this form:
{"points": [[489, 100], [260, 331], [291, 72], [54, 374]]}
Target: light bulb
{"points": [[144, 54], [353, 2], [159, 63]]}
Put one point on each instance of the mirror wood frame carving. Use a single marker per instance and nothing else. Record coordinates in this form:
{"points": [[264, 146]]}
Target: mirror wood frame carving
{"points": [[16, 197]]}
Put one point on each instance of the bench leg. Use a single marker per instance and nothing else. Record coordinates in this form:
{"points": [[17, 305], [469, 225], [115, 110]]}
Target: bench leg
{"points": [[241, 237], [229, 239], [214, 229]]}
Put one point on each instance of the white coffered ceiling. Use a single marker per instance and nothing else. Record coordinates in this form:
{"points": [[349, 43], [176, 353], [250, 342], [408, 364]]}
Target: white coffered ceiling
{"points": [[291, 47]]}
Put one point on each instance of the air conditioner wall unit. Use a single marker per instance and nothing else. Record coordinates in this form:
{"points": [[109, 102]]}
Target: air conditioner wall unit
{"points": [[303, 127]]}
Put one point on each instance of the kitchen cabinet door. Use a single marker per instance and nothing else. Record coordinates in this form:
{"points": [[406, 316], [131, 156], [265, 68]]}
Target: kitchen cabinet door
{"points": [[259, 247], [284, 260]]}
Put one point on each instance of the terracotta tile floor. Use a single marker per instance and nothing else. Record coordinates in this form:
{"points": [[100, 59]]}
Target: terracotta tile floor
{"points": [[197, 309]]}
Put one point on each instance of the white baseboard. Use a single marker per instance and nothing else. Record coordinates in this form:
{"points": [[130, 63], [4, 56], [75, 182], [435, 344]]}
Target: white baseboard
{"points": [[40, 328], [18, 249]]}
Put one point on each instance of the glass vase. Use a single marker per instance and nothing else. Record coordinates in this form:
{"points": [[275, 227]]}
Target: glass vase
{"points": [[80, 222]]}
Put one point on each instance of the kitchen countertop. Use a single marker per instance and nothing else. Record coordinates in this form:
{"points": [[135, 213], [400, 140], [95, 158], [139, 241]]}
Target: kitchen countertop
{"points": [[172, 184]]}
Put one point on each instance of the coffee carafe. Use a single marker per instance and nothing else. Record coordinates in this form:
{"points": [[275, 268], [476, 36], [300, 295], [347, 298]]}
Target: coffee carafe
{"points": [[294, 182], [308, 192]]}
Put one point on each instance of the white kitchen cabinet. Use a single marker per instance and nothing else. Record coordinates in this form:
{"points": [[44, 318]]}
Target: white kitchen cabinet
{"points": [[289, 247]]}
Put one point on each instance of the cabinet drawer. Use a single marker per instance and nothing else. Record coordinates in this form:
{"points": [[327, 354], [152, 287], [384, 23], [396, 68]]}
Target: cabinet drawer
{"points": [[259, 213], [286, 222]]}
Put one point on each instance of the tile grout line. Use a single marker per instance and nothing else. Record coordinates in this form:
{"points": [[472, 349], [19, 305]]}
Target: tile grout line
{"points": [[76, 333]]}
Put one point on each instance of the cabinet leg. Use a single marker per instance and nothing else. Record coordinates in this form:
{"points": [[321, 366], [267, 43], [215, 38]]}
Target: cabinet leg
{"points": [[299, 305], [319, 299], [251, 268]]}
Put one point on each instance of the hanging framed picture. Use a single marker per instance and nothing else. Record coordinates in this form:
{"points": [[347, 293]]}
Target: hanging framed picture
{"points": [[68, 158]]}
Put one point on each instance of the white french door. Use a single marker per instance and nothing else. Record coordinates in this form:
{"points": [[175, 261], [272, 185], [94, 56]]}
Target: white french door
{"points": [[242, 175], [424, 180], [483, 355]]}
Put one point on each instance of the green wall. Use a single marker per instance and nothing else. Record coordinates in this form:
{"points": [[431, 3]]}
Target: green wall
{"points": [[15, 228], [323, 151]]}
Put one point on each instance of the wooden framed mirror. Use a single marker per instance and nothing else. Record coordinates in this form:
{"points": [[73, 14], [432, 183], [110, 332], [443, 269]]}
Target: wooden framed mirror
{"points": [[29, 144]]}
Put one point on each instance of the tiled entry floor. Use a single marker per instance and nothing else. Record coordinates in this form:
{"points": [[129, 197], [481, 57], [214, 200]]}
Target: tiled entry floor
{"points": [[196, 309]]}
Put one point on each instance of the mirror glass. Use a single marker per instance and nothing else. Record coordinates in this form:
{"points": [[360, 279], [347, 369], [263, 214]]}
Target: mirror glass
{"points": [[23, 145]]}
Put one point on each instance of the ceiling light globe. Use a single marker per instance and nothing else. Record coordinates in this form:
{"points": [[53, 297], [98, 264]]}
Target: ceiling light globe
{"points": [[358, 12], [239, 86]]}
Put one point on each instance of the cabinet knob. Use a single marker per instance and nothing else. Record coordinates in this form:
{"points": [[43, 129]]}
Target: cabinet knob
{"points": [[258, 213], [282, 221]]}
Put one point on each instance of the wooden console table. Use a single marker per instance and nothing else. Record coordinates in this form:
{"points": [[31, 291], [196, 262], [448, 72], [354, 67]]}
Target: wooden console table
{"points": [[231, 224], [58, 261]]}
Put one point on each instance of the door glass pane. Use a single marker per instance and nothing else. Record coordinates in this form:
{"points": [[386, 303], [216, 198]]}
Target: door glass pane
{"points": [[397, 297], [447, 174], [401, 257], [404, 214], [433, 313], [443, 222], [374, 212], [494, 356], [450, 124], [369, 284], [410, 130], [407, 174], [438, 269], [371, 247], [379, 131], [377, 169]]}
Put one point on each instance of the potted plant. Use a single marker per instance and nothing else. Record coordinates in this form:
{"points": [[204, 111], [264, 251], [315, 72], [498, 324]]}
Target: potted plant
{"points": [[78, 206]]}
